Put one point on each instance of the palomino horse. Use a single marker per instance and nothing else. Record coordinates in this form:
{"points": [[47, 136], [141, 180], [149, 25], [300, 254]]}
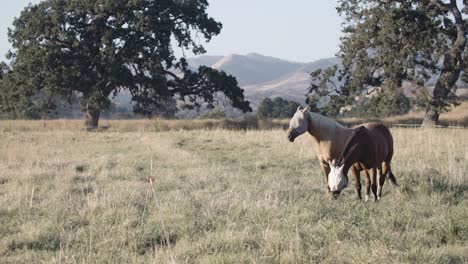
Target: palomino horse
{"points": [[331, 138], [370, 148]]}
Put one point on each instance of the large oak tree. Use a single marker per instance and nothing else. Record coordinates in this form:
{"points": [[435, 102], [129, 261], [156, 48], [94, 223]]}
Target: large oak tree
{"points": [[388, 42], [97, 48], [452, 52]]}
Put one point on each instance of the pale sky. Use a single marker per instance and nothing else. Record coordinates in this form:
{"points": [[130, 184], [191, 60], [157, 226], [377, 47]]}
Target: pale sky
{"points": [[296, 30]]}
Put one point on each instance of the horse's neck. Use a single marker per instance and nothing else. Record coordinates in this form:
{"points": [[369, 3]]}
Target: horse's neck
{"points": [[351, 154], [324, 129]]}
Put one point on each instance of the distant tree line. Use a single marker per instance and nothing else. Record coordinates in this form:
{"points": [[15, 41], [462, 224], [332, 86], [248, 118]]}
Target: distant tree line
{"points": [[276, 108]]}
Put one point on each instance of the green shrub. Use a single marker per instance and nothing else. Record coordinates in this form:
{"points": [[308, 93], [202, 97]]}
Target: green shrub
{"points": [[216, 113]]}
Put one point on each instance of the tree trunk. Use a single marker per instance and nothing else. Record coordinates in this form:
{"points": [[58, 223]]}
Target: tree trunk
{"points": [[447, 80], [451, 69], [431, 118], [92, 118]]}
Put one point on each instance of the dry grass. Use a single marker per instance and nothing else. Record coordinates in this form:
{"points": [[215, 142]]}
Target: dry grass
{"points": [[142, 125], [71, 196]]}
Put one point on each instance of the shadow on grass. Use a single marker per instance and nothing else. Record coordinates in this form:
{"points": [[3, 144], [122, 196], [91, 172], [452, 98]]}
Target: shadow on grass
{"points": [[431, 181], [48, 241], [435, 182], [150, 242]]}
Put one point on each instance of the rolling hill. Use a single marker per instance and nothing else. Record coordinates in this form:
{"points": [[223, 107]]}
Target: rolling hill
{"points": [[264, 76], [260, 76]]}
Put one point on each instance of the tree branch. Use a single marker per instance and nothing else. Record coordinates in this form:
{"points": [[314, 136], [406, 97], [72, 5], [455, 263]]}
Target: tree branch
{"points": [[443, 6], [172, 75], [460, 42]]}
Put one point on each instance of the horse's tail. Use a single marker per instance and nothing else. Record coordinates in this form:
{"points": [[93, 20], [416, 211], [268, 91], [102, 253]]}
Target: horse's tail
{"points": [[392, 178], [390, 175]]}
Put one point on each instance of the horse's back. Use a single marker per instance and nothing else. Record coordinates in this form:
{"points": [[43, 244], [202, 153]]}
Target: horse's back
{"points": [[383, 140]]}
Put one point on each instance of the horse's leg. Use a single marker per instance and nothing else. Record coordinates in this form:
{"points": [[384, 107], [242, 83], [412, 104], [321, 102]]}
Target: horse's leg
{"points": [[374, 182], [368, 184], [357, 177], [384, 175], [326, 171], [381, 180]]}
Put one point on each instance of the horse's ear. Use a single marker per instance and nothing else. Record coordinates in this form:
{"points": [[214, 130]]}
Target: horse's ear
{"points": [[338, 161], [341, 167], [299, 108], [330, 162], [361, 129], [306, 109]]}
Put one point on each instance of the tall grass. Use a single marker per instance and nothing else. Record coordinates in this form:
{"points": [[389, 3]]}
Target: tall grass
{"points": [[223, 196], [143, 125]]}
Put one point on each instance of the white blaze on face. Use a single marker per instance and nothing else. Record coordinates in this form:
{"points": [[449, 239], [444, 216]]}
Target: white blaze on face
{"points": [[336, 178]]}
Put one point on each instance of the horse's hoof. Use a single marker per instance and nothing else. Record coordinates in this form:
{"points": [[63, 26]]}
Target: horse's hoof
{"points": [[367, 198]]}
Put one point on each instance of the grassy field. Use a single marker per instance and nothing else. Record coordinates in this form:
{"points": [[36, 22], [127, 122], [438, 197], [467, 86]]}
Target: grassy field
{"points": [[222, 196]]}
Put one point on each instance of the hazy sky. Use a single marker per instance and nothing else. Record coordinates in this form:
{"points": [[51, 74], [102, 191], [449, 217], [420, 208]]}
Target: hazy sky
{"points": [[297, 30]]}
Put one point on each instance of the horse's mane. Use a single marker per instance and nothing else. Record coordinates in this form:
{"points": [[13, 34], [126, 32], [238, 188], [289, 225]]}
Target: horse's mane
{"points": [[357, 131], [325, 125]]}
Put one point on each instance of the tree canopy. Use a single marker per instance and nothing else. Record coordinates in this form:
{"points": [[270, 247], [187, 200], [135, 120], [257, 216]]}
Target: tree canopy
{"points": [[386, 43], [98, 48]]}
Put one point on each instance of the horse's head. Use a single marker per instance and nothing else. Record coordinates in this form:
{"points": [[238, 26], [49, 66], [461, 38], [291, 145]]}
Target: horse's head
{"points": [[299, 123], [337, 178]]}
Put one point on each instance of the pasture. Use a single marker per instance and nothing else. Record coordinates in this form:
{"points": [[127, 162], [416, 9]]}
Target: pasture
{"points": [[222, 196]]}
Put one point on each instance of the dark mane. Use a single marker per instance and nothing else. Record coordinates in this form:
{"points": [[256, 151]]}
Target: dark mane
{"points": [[350, 143]]}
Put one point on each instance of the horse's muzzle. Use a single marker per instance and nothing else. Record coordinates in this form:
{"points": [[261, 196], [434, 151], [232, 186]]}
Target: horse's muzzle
{"points": [[291, 136], [335, 193]]}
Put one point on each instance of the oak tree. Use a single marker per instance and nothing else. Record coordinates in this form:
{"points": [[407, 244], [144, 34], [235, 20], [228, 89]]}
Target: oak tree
{"points": [[386, 43], [97, 48]]}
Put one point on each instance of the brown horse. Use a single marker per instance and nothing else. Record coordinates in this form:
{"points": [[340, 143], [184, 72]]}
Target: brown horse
{"points": [[331, 139], [370, 148]]}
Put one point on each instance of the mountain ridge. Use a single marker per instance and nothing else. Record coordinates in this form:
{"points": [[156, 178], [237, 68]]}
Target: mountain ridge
{"points": [[265, 76]]}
